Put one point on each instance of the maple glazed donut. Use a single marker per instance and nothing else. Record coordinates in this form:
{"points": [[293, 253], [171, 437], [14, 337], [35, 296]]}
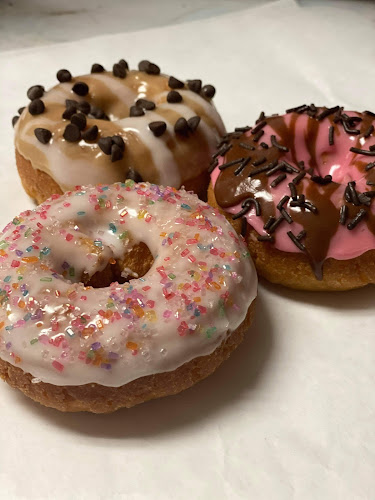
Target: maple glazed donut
{"points": [[300, 188], [112, 125], [75, 336]]}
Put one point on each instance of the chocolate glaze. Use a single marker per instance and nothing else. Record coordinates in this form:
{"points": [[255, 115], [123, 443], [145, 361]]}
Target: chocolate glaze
{"points": [[320, 216]]}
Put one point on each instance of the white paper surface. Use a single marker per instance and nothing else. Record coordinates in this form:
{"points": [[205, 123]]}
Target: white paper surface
{"points": [[291, 414]]}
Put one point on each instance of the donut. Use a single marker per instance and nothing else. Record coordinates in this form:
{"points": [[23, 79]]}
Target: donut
{"points": [[299, 187], [108, 126], [114, 295]]}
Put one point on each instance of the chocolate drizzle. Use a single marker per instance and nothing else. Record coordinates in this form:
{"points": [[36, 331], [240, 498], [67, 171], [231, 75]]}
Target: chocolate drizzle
{"points": [[264, 166]]}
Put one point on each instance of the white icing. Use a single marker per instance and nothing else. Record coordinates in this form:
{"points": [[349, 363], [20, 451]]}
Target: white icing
{"points": [[67, 334]]}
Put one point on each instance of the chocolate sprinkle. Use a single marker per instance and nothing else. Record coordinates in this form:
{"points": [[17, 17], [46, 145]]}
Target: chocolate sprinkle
{"points": [[266, 237], [369, 166], [362, 152], [275, 224], [327, 112], [72, 133], [35, 92], [277, 145], [278, 179], [369, 131], [173, 96], [330, 135], [157, 128], [231, 163], [246, 206], [242, 166], [90, 134], [43, 135], [260, 161], [286, 216], [80, 88], [173, 83], [136, 111], [258, 135], [105, 144], [297, 179], [296, 241], [293, 190], [119, 71], [269, 222], [353, 193], [63, 75], [258, 127], [194, 85], [208, 91], [243, 227], [246, 146], [97, 68], [242, 129], [36, 107], [359, 216], [321, 180], [145, 104]]}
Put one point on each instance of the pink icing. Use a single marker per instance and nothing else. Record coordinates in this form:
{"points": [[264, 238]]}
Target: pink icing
{"points": [[336, 160]]}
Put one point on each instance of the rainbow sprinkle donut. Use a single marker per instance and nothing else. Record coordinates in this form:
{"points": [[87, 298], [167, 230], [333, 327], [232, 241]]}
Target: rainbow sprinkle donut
{"points": [[73, 339]]}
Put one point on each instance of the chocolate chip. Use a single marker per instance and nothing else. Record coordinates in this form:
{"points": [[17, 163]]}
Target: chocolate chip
{"points": [[195, 85], [81, 88], [136, 111], [181, 126], [72, 133], [79, 119], [119, 141], [134, 175], [71, 103], [15, 120], [98, 113], [149, 67], [90, 134], [145, 104], [119, 71], [20, 110], [193, 122], [69, 112], [36, 107], [43, 135], [84, 107], [157, 128], [63, 75], [97, 68], [116, 153], [123, 63], [105, 144], [175, 84], [35, 92], [174, 96], [208, 91]]}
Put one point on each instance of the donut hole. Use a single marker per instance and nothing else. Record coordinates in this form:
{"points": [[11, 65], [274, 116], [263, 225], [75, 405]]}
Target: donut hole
{"points": [[135, 264]]}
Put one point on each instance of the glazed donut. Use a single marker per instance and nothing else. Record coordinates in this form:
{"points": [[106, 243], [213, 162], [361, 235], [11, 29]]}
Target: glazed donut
{"points": [[112, 125], [299, 187], [85, 325]]}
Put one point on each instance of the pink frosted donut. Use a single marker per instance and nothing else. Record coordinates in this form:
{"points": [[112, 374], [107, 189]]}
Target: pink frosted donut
{"points": [[303, 183], [196, 293]]}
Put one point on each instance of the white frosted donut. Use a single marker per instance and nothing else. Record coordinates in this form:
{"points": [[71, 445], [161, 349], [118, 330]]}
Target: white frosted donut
{"points": [[164, 130], [197, 291]]}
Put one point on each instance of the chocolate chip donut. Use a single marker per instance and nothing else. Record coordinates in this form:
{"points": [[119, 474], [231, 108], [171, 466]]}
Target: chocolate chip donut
{"points": [[112, 125]]}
